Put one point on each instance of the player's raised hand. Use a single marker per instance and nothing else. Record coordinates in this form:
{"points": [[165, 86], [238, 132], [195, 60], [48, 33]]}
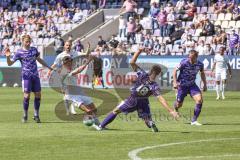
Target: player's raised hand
{"points": [[7, 51]]}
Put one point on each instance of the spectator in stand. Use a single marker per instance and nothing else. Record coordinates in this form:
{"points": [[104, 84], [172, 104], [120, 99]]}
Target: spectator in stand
{"points": [[78, 47], [58, 44], [7, 30], [156, 47], [25, 5], [220, 37], [129, 6], [180, 6], [236, 13], [131, 30], [162, 22], [220, 7], [208, 50], [154, 10], [169, 7], [113, 43], [230, 6], [200, 47], [148, 44], [171, 21], [189, 44], [102, 45], [189, 13], [234, 41], [177, 36], [139, 27], [122, 26], [208, 29], [77, 17], [102, 3], [164, 50]]}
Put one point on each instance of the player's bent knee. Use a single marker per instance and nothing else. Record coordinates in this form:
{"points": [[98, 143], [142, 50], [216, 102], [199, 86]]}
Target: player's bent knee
{"points": [[37, 94], [116, 111], [27, 95]]}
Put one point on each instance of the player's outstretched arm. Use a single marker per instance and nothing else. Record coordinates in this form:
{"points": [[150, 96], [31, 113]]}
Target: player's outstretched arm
{"points": [[134, 59], [175, 86], [203, 77], [8, 54], [165, 104], [81, 68], [214, 65], [42, 62]]}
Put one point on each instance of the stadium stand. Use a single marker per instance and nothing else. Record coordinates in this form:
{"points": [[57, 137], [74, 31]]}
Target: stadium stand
{"points": [[163, 27]]}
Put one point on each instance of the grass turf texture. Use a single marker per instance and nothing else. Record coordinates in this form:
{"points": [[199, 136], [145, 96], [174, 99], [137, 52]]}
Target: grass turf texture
{"points": [[60, 140]]}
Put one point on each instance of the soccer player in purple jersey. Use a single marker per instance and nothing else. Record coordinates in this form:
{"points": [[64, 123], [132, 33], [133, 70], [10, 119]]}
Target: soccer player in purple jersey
{"points": [[185, 83], [28, 56], [144, 86]]}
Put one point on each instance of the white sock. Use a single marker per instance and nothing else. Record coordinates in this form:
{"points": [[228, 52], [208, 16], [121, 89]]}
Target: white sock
{"points": [[217, 89], [72, 108], [66, 103], [223, 89]]}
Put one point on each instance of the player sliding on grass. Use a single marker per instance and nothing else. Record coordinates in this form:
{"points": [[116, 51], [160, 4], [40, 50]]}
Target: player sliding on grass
{"points": [[144, 86], [72, 92], [185, 83], [28, 56], [221, 63]]}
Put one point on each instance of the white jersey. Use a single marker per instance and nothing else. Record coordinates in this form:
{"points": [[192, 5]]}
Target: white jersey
{"points": [[221, 62], [72, 91], [58, 59]]}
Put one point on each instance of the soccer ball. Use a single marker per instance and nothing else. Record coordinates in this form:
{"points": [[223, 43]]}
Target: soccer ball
{"points": [[4, 85], [15, 85], [88, 120]]}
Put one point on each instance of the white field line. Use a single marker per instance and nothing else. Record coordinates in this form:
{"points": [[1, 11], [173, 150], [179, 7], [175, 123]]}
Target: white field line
{"points": [[133, 154]]}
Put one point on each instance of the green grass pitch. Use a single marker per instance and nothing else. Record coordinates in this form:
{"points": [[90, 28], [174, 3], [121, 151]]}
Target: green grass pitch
{"points": [[55, 139]]}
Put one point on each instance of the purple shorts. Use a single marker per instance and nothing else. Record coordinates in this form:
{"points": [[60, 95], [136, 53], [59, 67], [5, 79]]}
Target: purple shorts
{"points": [[31, 85], [140, 105], [183, 91]]}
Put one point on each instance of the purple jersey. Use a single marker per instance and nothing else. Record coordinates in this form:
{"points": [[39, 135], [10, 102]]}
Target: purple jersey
{"points": [[233, 40], [143, 87], [188, 72], [28, 61]]}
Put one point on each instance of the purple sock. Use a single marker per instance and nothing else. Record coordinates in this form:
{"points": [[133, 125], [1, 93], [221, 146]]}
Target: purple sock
{"points": [[36, 106], [197, 111], [25, 106], [111, 116]]}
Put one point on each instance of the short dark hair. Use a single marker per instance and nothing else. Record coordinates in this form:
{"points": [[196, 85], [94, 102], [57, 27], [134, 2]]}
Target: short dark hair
{"points": [[193, 51], [156, 68]]}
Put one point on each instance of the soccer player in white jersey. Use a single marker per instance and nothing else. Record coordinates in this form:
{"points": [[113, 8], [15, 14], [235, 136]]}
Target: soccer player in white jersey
{"points": [[221, 63], [58, 63], [71, 90]]}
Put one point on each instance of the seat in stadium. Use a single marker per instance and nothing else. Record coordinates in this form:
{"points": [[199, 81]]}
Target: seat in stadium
{"points": [[228, 16], [217, 23], [210, 10], [238, 24], [204, 9], [208, 39], [232, 24], [224, 24], [221, 17], [213, 17]]}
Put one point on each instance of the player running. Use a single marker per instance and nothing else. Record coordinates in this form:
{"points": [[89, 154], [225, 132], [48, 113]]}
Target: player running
{"points": [[28, 56], [221, 63], [144, 86], [185, 83], [73, 93]]}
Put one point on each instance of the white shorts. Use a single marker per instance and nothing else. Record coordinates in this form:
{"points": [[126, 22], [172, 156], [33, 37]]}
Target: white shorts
{"points": [[221, 75], [78, 99]]}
